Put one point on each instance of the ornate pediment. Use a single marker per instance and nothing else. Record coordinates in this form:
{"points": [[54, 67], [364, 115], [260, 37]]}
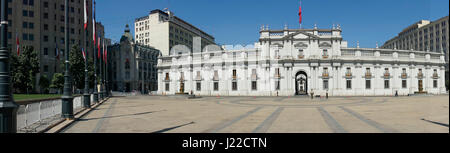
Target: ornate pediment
{"points": [[301, 45], [300, 35], [277, 44], [325, 45]]}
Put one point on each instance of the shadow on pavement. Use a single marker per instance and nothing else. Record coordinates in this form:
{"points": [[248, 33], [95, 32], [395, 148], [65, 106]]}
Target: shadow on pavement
{"points": [[172, 128], [136, 114], [442, 124]]}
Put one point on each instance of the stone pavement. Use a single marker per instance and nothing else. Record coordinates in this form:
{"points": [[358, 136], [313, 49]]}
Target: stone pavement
{"points": [[177, 114]]}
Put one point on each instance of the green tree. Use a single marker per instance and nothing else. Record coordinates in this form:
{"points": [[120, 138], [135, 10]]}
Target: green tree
{"points": [[44, 83], [77, 67], [58, 82], [24, 69]]}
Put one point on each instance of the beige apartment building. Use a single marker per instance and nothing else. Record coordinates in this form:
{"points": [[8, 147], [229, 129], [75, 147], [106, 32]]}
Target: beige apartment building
{"points": [[163, 31], [423, 35], [40, 23]]}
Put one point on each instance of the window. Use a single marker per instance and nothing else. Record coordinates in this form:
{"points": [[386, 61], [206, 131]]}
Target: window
{"points": [[325, 84], [234, 74], [216, 75], [300, 53], [45, 51], [234, 86], [277, 72], [167, 87], [277, 85], [349, 84], [368, 84], [254, 85], [435, 83], [24, 13], [45, 68], [216, 86], [325, 53], [386, 84], [277, 54], [199, 86], [404, 84]]}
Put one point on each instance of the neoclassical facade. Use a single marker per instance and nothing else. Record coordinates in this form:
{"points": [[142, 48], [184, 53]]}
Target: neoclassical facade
{"points": [[133, 66], [300, 61]]}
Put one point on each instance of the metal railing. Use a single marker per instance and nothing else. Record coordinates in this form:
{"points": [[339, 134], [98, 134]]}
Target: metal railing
{"points": [[31, 116]]}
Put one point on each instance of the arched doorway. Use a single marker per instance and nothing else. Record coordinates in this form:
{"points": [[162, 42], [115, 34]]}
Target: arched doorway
{"points": [[301, 83]]}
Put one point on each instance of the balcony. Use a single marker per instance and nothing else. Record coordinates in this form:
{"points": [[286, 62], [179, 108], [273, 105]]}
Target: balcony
{"points": [[325, 75], [216, 78], [325, 56], [387, 75], [404, 75], [368, 75], [301, 56], [198, 78], [234, 77], [348, 74], [420, 75], [277, 75], [167, 79], [435, 76]]}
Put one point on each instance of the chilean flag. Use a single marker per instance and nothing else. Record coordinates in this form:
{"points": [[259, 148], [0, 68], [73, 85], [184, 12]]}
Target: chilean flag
{"points": [[84, 53], [85, 15], [300, 13], [18, 44]]}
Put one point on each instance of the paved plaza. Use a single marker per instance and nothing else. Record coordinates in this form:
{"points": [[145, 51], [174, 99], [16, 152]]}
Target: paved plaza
{"points": [[178, 114]]}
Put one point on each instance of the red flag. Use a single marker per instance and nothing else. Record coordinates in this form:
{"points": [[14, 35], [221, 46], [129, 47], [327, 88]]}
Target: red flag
{"points": [[85, 15], [18, 44], [106, 55], [300, 14], [98, 47], [84, 54]]}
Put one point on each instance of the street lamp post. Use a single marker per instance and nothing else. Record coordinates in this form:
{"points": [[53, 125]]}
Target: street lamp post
{"points": [[95, 63], [106, 73], [87, 96], [101, 76], [8, 108], [67, 99]]}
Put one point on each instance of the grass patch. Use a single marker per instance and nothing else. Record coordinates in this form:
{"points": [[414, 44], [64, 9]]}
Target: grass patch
{"points": [[24, 97]]}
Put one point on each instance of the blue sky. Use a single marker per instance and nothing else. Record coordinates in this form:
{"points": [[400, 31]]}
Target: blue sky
{"points": [[234, 22]]}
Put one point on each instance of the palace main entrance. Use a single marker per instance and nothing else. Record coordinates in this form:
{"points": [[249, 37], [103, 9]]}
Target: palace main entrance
{"points": [[301, 83]]}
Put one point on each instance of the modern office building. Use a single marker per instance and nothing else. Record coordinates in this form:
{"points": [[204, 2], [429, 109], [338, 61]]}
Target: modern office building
{"points": [[133, 66], [40, 23], [163, 30], [423, 35], [292, 62]]}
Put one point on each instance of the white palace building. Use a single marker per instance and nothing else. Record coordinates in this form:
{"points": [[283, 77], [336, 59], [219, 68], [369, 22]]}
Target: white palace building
{"points": [[298, 62]]}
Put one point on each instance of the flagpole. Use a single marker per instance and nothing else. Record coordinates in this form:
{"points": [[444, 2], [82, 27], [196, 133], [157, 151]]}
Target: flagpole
{"points": [[101, 67], [87, 96], [94, 54]]}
